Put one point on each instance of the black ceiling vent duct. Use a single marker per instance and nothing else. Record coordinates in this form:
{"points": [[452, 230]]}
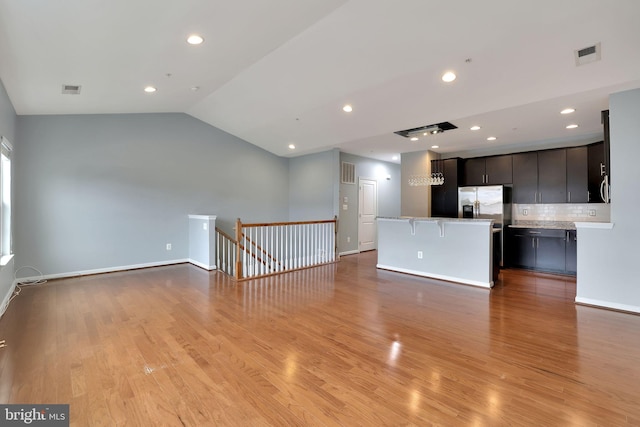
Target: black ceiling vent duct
{"points": [[427, 130]]}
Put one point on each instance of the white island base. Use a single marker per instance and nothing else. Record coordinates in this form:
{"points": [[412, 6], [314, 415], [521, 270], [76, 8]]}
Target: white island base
{"points": [[455, 250]]}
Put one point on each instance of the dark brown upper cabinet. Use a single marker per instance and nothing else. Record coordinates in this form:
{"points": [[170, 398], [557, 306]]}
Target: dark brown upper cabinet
{"points": [[577, 175], [552, 176], [444, 198], [493, 170], [525, 177]]}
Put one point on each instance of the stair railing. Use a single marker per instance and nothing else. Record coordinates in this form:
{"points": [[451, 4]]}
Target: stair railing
{"points": [[263, 249]]}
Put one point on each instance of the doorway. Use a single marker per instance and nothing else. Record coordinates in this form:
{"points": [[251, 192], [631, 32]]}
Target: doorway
{"points": [[367, 212]]}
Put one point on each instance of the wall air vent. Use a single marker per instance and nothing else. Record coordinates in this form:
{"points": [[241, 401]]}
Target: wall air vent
{"points": [[348, 173], [71, 89], [587, 54]]}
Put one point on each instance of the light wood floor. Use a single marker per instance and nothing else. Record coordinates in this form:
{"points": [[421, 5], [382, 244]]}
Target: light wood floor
{"points": [[344, 344]]}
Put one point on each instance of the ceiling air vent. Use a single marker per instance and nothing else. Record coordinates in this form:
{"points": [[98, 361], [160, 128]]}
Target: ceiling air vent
{"points": [[71, 89], [348, 173], [587, 54]]}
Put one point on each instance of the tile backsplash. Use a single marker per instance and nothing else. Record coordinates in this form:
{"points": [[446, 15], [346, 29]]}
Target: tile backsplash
{"points": [[581, 212]]}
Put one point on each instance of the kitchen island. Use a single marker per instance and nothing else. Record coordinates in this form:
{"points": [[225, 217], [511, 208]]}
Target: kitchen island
{"points": [[456, 250]]}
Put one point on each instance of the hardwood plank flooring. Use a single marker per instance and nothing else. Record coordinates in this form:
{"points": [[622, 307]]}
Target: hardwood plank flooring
{"points": [[343, 344]]}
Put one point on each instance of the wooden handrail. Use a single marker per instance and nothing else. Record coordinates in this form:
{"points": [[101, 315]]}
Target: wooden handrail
{"points": [[225, 235], [279, 224]]}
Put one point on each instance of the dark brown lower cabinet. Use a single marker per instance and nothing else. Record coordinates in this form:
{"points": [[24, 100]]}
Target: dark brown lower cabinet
{"points": [[541, 249], [571, 252]]}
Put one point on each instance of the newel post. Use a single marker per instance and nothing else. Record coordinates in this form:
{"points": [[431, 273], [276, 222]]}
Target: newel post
{"points": [[336, 256], [238, 252]]}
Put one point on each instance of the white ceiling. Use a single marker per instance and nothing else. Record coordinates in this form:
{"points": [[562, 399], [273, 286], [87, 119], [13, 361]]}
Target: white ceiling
{"points": [[276, 72]]}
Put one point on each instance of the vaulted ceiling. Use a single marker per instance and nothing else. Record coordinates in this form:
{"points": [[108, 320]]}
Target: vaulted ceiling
{"points": [[278, 72]]}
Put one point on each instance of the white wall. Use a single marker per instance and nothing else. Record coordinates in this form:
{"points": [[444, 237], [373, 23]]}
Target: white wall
{"points": [[607, 258]]}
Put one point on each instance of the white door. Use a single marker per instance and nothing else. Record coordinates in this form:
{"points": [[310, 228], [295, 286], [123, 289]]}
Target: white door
{"points": [[367, 212]]}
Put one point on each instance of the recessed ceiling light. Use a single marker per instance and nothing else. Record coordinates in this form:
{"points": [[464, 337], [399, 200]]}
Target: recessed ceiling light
{"points": [[567, 111], [150, 89], [414, 138], [435, 146], [394, 158], [195, 88], [292, 147], [491, 138], [448, 77], [195, 39], [573, 126], [347, 108], [475, 127]]}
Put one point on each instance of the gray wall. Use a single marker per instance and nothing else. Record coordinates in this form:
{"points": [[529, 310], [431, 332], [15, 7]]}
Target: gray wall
{"points": [[388, 196], [101, 191], [607, 259], [313, 186], [416, 201], [8, 130]]}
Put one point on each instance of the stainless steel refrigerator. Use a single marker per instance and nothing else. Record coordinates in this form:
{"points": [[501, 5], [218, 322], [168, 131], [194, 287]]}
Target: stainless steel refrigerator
{"points": [[487, 202]]}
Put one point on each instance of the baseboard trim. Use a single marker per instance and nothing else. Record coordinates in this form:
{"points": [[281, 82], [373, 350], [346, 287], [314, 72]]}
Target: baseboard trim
{"points": [[479, 284], [26, 280], [202, 265], [608, 305], [5, 301], [354, 252]]}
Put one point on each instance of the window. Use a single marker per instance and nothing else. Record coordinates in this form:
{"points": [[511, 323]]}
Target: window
{"points": [[5, 199]]}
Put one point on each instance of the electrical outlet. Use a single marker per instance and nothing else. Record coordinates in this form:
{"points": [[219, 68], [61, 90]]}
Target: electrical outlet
{"points": [[419, 254], [168, 246], [525, 212], [348, 239], [204, 226], [592, 212]]}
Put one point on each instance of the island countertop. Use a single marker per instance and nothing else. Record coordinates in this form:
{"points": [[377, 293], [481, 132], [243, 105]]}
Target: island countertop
{"points": [[436, 219]]}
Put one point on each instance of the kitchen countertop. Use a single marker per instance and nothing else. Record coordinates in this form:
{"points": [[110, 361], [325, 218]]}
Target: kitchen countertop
{"points": [[556, 225]]}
